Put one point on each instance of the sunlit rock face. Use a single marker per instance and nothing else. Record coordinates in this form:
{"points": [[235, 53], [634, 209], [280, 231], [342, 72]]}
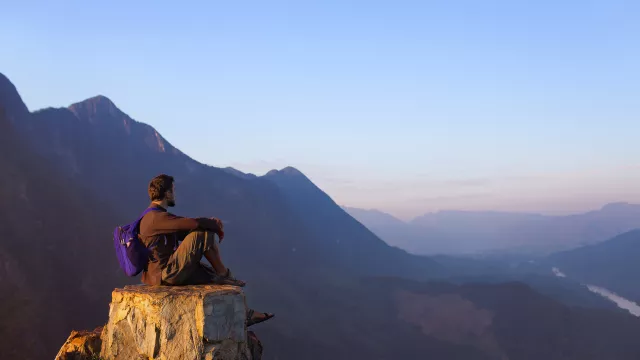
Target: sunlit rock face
{"points": [[186, 322]]}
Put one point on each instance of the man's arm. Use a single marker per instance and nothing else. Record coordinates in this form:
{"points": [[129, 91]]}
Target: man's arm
{"points": [[210, 224], [218, 225], [165, 222]]}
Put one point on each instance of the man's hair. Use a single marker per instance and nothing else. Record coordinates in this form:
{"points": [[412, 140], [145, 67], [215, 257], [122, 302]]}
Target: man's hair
{"points": [[159, 186]]}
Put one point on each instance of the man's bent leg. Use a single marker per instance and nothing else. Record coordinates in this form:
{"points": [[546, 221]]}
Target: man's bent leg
{"points": [[184, 263], [213, 256], [224, 274]]}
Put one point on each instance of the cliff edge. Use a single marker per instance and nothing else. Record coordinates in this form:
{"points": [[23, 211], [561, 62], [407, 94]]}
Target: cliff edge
{"points": [[162, 322]]}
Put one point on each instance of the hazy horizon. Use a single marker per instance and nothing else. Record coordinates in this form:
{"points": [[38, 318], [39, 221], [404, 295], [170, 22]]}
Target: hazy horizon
{"points": [[407, 108], [547, 213]]}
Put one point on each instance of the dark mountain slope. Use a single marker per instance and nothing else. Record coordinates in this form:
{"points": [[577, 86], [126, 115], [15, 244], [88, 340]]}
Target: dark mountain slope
{"points": [[239, 173], [53, 272], [372, 216], [114, 156], [613, 264], [345, 238], [14, 111]]}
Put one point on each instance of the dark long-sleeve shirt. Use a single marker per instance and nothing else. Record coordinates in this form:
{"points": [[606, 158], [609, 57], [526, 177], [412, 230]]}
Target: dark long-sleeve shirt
{"points": [[160, 232]]}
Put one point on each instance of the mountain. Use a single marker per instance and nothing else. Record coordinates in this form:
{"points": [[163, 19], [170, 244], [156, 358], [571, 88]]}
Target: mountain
{"points": [[104, 159], [53, 270], [404, 235], [90, 139], [612, 264], [70, 175], [14, 111], [374, 217], [345, 238], [469, 232], [239, 173]]}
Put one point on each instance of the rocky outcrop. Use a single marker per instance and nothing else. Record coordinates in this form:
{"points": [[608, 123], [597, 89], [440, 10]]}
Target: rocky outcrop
{"points": [[81, 345], [187, 322]]}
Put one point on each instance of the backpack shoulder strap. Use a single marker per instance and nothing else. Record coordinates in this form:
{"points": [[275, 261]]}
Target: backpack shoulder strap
{"points": [[148, 210]]}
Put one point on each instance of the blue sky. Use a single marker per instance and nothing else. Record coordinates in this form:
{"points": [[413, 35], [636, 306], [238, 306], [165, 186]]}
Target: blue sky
{"points": [[405, 106]]}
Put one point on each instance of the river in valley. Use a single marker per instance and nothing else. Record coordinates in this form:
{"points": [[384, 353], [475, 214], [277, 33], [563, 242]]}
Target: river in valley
{"points": [[622, 303]]}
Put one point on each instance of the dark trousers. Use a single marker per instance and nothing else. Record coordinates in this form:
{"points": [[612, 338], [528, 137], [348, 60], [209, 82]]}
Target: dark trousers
{"points": [[184, 266]]}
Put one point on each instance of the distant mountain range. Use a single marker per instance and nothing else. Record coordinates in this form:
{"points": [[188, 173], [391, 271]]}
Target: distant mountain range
{"points": [[70, 175], [469, 232]]}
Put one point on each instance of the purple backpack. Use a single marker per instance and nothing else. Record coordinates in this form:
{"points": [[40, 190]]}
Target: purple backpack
{"points": [[133, 256]]}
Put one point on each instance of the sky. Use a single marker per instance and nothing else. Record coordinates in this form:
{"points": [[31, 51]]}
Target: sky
{"points": [[404, 106]]}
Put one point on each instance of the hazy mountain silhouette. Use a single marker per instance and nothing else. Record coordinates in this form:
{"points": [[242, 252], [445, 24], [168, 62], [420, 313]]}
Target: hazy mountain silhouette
{"points": [[374, 217], [70, 175], [404, 235], [460, 232], [613, 264], [344, 238], [497, 269]]}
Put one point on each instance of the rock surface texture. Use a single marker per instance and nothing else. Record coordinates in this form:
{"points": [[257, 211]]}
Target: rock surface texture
{"points": [[175, 323], [81, 345]]}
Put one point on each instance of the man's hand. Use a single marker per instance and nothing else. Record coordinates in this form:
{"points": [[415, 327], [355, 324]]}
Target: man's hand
{"points": [[220, 228]]}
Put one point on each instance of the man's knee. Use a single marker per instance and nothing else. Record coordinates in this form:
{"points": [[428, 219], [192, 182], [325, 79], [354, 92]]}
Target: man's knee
{"points": [[202, 239]]}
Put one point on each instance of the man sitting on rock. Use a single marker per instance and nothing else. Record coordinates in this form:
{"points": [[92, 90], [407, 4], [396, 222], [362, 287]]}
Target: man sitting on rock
{"points": [[178, 244]]}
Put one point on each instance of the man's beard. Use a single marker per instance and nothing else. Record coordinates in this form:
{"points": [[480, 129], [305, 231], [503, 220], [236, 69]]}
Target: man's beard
{"points": [[171, 203]]}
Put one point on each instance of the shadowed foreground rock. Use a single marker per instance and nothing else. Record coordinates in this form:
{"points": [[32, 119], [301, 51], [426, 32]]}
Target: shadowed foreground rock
{"points": [[187, 322]]}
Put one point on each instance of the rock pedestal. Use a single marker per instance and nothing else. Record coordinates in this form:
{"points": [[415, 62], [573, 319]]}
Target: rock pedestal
{"points": [[176, 323]]}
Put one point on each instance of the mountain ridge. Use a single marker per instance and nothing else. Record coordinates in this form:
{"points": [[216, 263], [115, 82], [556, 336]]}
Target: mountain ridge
{"points": [[368, 216], [42, 293], [269, 244], [12, 101], [610, 206], [454, 232]]}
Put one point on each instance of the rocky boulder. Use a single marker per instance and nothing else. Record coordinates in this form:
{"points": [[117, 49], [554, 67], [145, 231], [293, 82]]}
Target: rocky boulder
{"points": [[81, 345], [187, 322]]}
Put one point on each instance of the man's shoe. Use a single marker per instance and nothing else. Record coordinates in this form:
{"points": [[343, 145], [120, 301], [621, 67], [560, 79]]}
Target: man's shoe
{"points": [[228, 279], [256, 318]]}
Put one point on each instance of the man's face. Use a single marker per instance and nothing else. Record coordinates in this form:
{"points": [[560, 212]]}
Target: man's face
{"points": [[171, 197]]}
